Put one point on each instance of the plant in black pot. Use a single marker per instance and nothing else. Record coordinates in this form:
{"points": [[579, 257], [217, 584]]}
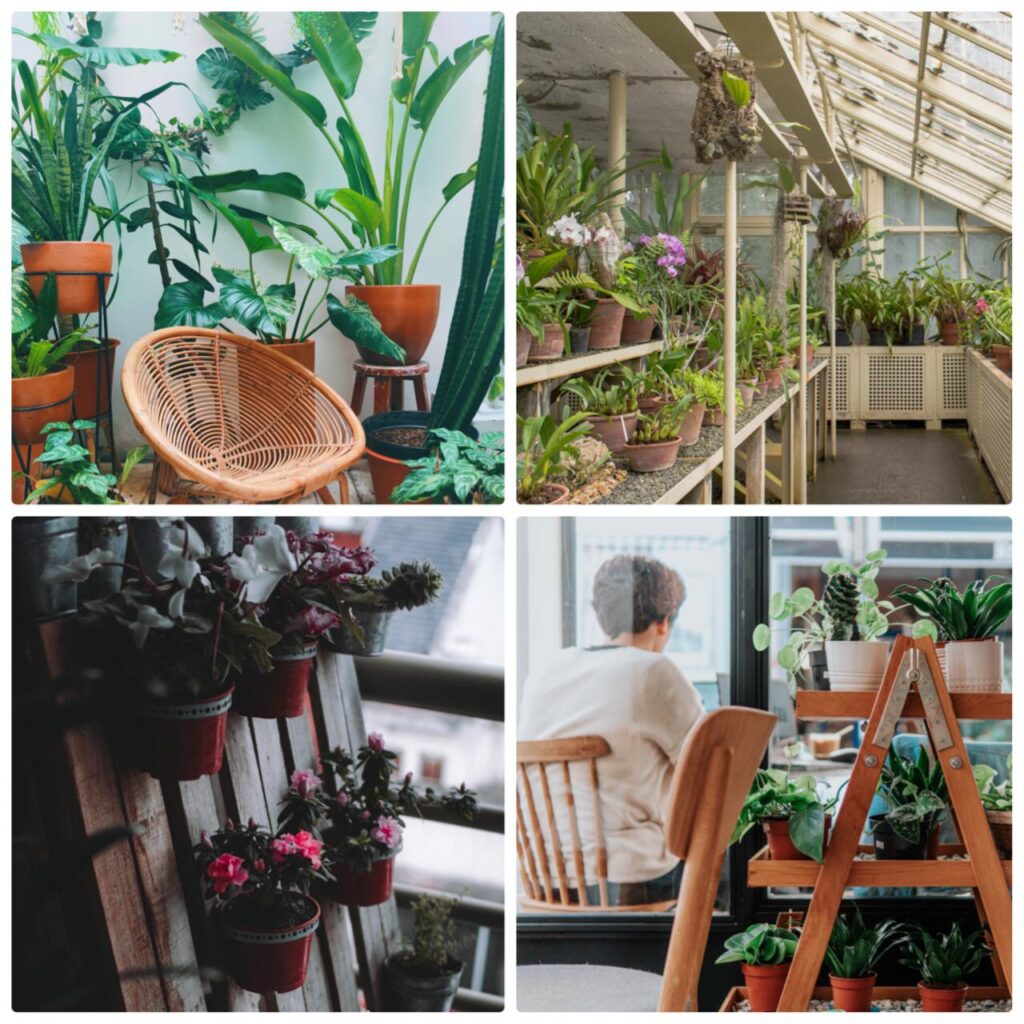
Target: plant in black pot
{"points": [[365, 604], [259, 884], [916, 794], [424, 976]]}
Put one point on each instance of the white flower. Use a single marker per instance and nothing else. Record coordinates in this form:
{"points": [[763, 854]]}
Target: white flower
{"points": [[569, 231], [263, 564], [148, 618], [79, 569], [184, 548]]}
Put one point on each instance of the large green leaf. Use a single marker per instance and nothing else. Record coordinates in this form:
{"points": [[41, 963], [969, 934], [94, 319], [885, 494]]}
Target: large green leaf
{"points": [[355, 321], [336, 49], [262, 312], [442, 80], [281, 184], [100, 56], [181, 305], [263, 62], [416, 28], [357, 167], [363, 210], [458, 182], [320, 262]]}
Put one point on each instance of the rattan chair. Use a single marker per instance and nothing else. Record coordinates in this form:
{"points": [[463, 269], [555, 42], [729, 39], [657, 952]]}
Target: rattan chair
{"points": [[241, 420]]}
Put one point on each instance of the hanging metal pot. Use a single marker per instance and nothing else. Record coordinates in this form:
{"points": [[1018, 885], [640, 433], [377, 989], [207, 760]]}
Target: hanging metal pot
{"points": [[107, 535], [41, 542]]}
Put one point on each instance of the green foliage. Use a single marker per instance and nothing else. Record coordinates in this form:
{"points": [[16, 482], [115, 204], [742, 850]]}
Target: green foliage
{"points": [[915, 792], [737, 88], [855, 949], [945, 960], [975, 614], [994, 796], [668, 215], [404, 586], [32, 353], [544, 447], [840, 600], [663, 424], [435, 944], [775, 795], [459, 471], [760, 945], [612, 392]]}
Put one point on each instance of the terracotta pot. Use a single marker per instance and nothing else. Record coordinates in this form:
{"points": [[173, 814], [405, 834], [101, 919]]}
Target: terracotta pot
{"points": [[281, 693], [689, 429], [386, 474], [364, 888], [773, 376], [942, 1000], [606, 324], [615, 432], [636, 332], [303, 352], [86, 363], [407, 314], [852, 995], [652, 402], [550, 494], [810, 350], [1002, 356], [780, 845], [177, 742], [649, 458], [747, 390], [75, 294], [1001, 825], [550, 347], [713, 417], [950, 333], [764, 985], [523, 341], [271, 960], [36, 401]]}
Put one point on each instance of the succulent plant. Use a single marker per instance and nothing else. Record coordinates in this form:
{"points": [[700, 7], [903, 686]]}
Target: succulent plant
{"points": [[406, 585], [840, 600]]}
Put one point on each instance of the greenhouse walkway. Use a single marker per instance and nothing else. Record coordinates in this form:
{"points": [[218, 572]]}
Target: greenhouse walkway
{"points": [[904, 466]]}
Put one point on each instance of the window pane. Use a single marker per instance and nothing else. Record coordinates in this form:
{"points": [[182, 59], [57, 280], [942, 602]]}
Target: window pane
{"points": [[937, 213], [981, 255], [757, 251], [946, 246], [759, 200], [901, 252], [712, 195], [901, 204]]}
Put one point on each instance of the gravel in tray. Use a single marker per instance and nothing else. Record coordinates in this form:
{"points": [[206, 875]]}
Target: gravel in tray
{"points": [[902, 1006]]}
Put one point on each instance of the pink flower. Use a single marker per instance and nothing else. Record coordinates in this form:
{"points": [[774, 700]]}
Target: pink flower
{"points": [[304, 781], [388, 832], [311, 621], [980, 306], [375, 741], [225, 871], [259, 866], [301, 844]]}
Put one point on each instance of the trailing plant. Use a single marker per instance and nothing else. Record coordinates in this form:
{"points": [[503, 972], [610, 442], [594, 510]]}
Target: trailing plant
{"points": [[760, 945], [545, 447], [948, 614], [947, 959], [663, 424], [855, 949], [915, 792], [435, 943], [459, 470]]}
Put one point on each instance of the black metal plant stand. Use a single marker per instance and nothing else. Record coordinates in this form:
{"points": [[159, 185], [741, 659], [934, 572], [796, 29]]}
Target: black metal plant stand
{"points": [[104, 417]]}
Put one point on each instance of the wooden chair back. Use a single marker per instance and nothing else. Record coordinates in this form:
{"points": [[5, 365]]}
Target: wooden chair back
{"points": [[543, 858]]}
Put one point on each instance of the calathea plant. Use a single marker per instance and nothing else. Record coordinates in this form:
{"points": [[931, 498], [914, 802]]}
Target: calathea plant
{"points": [[458, 471]]}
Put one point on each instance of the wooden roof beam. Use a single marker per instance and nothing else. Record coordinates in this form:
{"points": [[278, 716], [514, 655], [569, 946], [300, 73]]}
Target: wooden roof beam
{"points": [[972, 35], [922, 66]]}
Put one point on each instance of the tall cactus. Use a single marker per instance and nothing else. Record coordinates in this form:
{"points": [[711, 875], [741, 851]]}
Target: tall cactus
{"points": [[840, 599], [476, 338]]}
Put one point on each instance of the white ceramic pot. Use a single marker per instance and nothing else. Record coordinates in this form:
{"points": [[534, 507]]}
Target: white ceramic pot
{"points": [[974, 666], [856, 664]]}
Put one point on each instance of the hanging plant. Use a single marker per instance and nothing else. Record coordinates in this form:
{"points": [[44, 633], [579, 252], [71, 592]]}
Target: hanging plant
{"points": [[725, 123], [840, 227]]}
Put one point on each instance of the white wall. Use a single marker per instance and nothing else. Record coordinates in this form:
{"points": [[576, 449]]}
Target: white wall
{"points": [[277, 137], [538, 595]]}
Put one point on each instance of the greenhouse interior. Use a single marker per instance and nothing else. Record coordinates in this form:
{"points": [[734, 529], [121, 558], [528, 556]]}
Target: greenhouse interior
{"points": [[764, 258]]}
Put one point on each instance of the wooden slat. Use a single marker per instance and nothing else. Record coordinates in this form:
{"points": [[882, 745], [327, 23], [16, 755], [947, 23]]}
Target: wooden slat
{"points": [[574, 836], [600, 847], [538, 835], [556, 839], [822, 705]]}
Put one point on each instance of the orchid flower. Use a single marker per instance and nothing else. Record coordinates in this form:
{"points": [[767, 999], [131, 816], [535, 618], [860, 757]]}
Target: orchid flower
{"points": [[79, 569], [263, 564]]}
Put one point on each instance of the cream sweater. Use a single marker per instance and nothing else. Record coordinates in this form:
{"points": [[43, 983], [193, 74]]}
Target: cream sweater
{"points": [[644, 707]]}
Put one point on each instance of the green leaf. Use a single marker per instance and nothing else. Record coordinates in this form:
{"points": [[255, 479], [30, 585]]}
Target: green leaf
{"points": [[807, 830], [100, 56], [802, 600], [367, 213], [181, 305], [762, 637], [320, 262], [357, 324], [737, 88], [336, 50], [282, 184], [416, 28], [458, 182], [442, 80], [266, 312], [777, 606]]}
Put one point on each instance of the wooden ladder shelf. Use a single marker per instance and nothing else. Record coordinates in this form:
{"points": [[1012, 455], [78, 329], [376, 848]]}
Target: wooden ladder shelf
{"points": [[913, 687]]}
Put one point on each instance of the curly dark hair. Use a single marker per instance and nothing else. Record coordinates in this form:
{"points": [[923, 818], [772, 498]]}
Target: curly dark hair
{"points": [[631, 593]]}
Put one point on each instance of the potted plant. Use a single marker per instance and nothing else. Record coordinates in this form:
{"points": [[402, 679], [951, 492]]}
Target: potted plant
{"points": [[580, 313], [803, 644], [544, 446], [952, 302], [795, 820], [656, 440], [916, 794], [374, 205], [854, 951], [652, 274], [764, 953], [424, 976], [943, 962], [994, 326], [360, 818], [459, 470], [997, 799], [610, 401], [846, 312], [364, 604], [259, 886], [966, 624]]}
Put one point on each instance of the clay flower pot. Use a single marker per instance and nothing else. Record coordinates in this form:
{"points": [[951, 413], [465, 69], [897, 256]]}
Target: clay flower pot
{"points": [[36, 401], [281, 693], [87, 363], [80, 292], [942, 1000], [1001, 825], [747, 390], [548, 348], [773, 376], [689, 430], [524, 339], [177, 742], [615, 432], [365, 888], [950, 333], [780, 845], [271, 960], [764, 984], [636, 332], [407, 314], [1002, 355], [852, 995], [303, 352], [651, 402], [649, 458], [550, 493], [606, 324]]}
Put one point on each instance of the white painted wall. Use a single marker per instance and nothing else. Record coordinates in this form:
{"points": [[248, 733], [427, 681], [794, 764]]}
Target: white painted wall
{"points": [[277, 137]]}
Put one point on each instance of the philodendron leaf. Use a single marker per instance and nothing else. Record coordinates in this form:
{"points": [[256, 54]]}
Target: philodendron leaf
{"points": [[807, 830], [263, 312], [737, 88], [181, 305], [354, 319], [320, 262]]}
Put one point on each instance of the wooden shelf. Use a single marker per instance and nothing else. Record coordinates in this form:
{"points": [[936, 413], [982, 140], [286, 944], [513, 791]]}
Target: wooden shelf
{"points": [[821, 705], [762, 872], [736, 995], [537, 373]]}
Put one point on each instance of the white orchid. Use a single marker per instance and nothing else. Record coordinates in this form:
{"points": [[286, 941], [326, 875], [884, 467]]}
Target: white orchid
{"points": [[79, 569], [263, 564], [569, 231]]}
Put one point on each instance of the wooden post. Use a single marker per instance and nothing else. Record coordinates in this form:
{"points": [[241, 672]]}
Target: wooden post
{"points": [[801, 398], [729, 431], [617, 138], [755, 467], [831, 398]]}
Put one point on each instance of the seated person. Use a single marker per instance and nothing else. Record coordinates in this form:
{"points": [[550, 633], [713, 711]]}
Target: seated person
{"points": [[633, 696]]}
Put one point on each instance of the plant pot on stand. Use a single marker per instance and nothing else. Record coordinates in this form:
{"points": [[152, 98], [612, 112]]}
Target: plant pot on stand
{"points": [[92, 386], [852, 995], [81, 269], [890, 845], [950, 333], [942, 1000], [855, 664], [606, 324], [974, 666], [524, 339], [764, 984], [373, 624], [614, 432], [549, 347], [1002, 355], [407, 314], [281, 692], [36, 401], [652, 457]]}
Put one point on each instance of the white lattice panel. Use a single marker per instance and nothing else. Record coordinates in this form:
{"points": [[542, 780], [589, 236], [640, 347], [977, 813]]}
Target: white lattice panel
{"points": [[952, 391], [990, 418], [844, 399], [893, 386]]}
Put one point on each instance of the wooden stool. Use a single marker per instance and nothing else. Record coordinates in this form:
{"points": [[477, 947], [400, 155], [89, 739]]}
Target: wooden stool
{"points": [[387, 386]]}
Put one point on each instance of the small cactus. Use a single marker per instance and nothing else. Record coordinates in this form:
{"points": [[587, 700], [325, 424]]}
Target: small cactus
{"points": [[604, 250], [841, 599], [410, 585]]}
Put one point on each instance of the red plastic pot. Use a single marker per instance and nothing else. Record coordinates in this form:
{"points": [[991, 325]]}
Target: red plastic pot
{"points": [[281, 693], [780, 846], [764, 985], [177, 742], [271, 960], [649, 458], [853, 995], [942, 1000], [364, 888]]}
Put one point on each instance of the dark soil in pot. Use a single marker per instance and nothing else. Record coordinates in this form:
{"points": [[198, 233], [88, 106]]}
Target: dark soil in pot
{"points": [[410, 989], [408, 437], [286, 911]]}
